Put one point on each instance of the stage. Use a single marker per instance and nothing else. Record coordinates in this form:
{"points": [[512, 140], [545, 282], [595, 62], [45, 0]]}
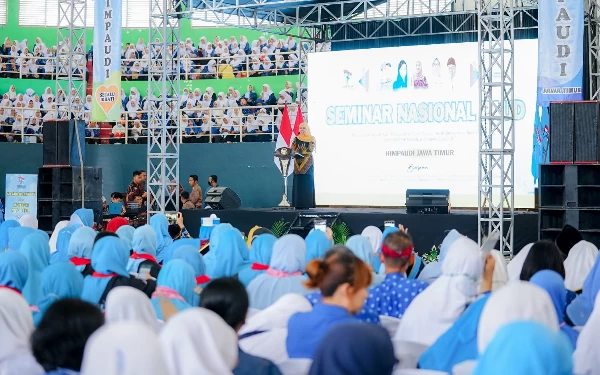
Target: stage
{"points": [[426, 230]]}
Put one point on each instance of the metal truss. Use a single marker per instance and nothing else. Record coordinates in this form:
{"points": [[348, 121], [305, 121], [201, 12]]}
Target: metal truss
{"points": [[593, 19], [70, 57], [304, 48], [163, 108], [496, 120]]}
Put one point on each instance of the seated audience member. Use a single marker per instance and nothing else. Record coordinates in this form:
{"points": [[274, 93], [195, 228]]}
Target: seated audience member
{"points": [[343, 280], [115, 223], [580, 310], [187, 203], [160, 224], [543, 255], [567, 238], [228, 298], [228, 254], [126, 304], [143, 257], [80, 249], [175, 288], [317, 244], [60, 280], [59, 340], [433, 270], [192, 257], [260, 256], [578, 264], [13, 271]]}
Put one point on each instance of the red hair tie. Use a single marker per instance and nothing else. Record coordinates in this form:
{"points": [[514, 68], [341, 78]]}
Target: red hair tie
{"points": [[405, 253]]}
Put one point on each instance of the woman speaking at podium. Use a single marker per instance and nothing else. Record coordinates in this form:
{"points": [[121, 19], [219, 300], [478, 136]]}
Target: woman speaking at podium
{"points": [[303, 194]]}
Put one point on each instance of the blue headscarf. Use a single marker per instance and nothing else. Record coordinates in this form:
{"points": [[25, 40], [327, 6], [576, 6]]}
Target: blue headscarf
{"points": [[16, 236], [317, 244], [126, 233], [143, 242], [13, 270], [160, 224], [62, 244], [178, 276], [83, 216], [354, 349], [191, 256], [433, 270], [109, 256], [4, 228], [194, 242], [416, 267], [229, 255], [580, 309], [262, 248], [80, 245], [215, 239], [361, 247], [457, 344], [289, 256], [36, 249], [553, 283], [526, 348], [60, 280], [377, 266]]}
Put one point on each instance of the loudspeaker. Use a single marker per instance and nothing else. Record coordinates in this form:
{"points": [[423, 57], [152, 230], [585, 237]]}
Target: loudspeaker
{"points": [[586, 133], [561, 132], [428, 201], [222, 198], [65, 183], [60, 142]]}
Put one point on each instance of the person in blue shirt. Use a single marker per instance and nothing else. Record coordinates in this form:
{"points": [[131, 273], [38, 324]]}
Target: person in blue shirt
{"points": [[343, 280], [175, 286]]}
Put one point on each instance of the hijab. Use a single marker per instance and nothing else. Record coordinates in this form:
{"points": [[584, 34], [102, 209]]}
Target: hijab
{"points": [[436, 309], [277, 315], [231, 254], [80, 247], [60, 280], [109, 257], [198, 341], [176, 283], [519, 300], [17, 235], [587, 354], [37, 251], [15, 330], [500, 276], [54, 237], [4, 229], [163, 239], [578, 264], [194, 242], [260, 257], [355, 349], [62, 243], [375, 237], [306, 137], [526, 348], [361, 247], [433, 270], [317, 244], [13, 271], [127, 304], [143, 244], [192, 257], [580, 309], [116, 223], [28, 221], [284, 275], [124, 348], [83, 216], [515, 266], [126, 234]]}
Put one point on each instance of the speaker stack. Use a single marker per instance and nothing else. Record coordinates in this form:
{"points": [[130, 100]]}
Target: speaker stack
{"points": [[63, 185]]}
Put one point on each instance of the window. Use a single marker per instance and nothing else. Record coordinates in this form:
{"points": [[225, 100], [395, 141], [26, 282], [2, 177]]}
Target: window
{"points": [[409, 7], [3, 6]]}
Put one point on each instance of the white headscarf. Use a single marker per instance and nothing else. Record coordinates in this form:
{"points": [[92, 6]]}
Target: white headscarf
{"points": [[578, 264], [198, 341], [126, 348], [54, 237], [127, 304], [435, 309], [587, 354], [375, 237], [500, 277], [519, 300], [16, 326], [278, 314], [515, 266], [28, 221]]}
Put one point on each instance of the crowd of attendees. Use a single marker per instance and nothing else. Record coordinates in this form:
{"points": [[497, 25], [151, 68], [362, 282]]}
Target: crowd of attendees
{"points": [[205, 116], [148, 300]]}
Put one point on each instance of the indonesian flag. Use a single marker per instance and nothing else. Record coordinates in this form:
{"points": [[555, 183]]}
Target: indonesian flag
{"points": [[285, 138], [299, 120]]}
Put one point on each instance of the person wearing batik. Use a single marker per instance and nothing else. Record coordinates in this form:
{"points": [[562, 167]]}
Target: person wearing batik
{"points": [[303, 195], [136, 188]]}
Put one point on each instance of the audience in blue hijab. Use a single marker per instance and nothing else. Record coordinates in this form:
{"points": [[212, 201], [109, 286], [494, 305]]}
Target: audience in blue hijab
{"points": [[176, 283], [126, 233], [36, 249], [4, 229], [143, 245], [191, 256], [231, 255], [260, 257], [526, 348], [160, 224], [82, 217], [433, 270], [13, 271], [361, 247], [355, 349], [317, 243], [60, 280], [215, 240], [80, 249], [62, 244], [16, 236], [194, 242], [553, 283], [288, 261], [580, 309]]}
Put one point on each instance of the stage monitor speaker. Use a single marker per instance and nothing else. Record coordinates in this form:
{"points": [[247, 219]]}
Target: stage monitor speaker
{"points": [[60, 142], [222, 198], [586, 133], [561, 132], [427, 201]]}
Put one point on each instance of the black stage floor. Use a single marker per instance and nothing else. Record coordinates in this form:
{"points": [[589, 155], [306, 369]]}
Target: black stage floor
{"points": [[426, 230]]}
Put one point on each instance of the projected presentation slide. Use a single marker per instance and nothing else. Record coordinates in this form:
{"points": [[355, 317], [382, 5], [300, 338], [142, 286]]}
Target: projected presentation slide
{"points": [[392, 119]]}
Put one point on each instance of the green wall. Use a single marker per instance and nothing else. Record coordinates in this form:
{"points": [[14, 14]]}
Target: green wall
{"points": [[247, 168]]}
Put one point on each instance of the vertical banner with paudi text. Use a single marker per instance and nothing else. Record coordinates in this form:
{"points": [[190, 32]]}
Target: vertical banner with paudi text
{"points": [[21, 196], [107, 61]]}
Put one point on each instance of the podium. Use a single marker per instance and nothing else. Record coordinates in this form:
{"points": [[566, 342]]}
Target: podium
{"points": [[285, 156]]}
